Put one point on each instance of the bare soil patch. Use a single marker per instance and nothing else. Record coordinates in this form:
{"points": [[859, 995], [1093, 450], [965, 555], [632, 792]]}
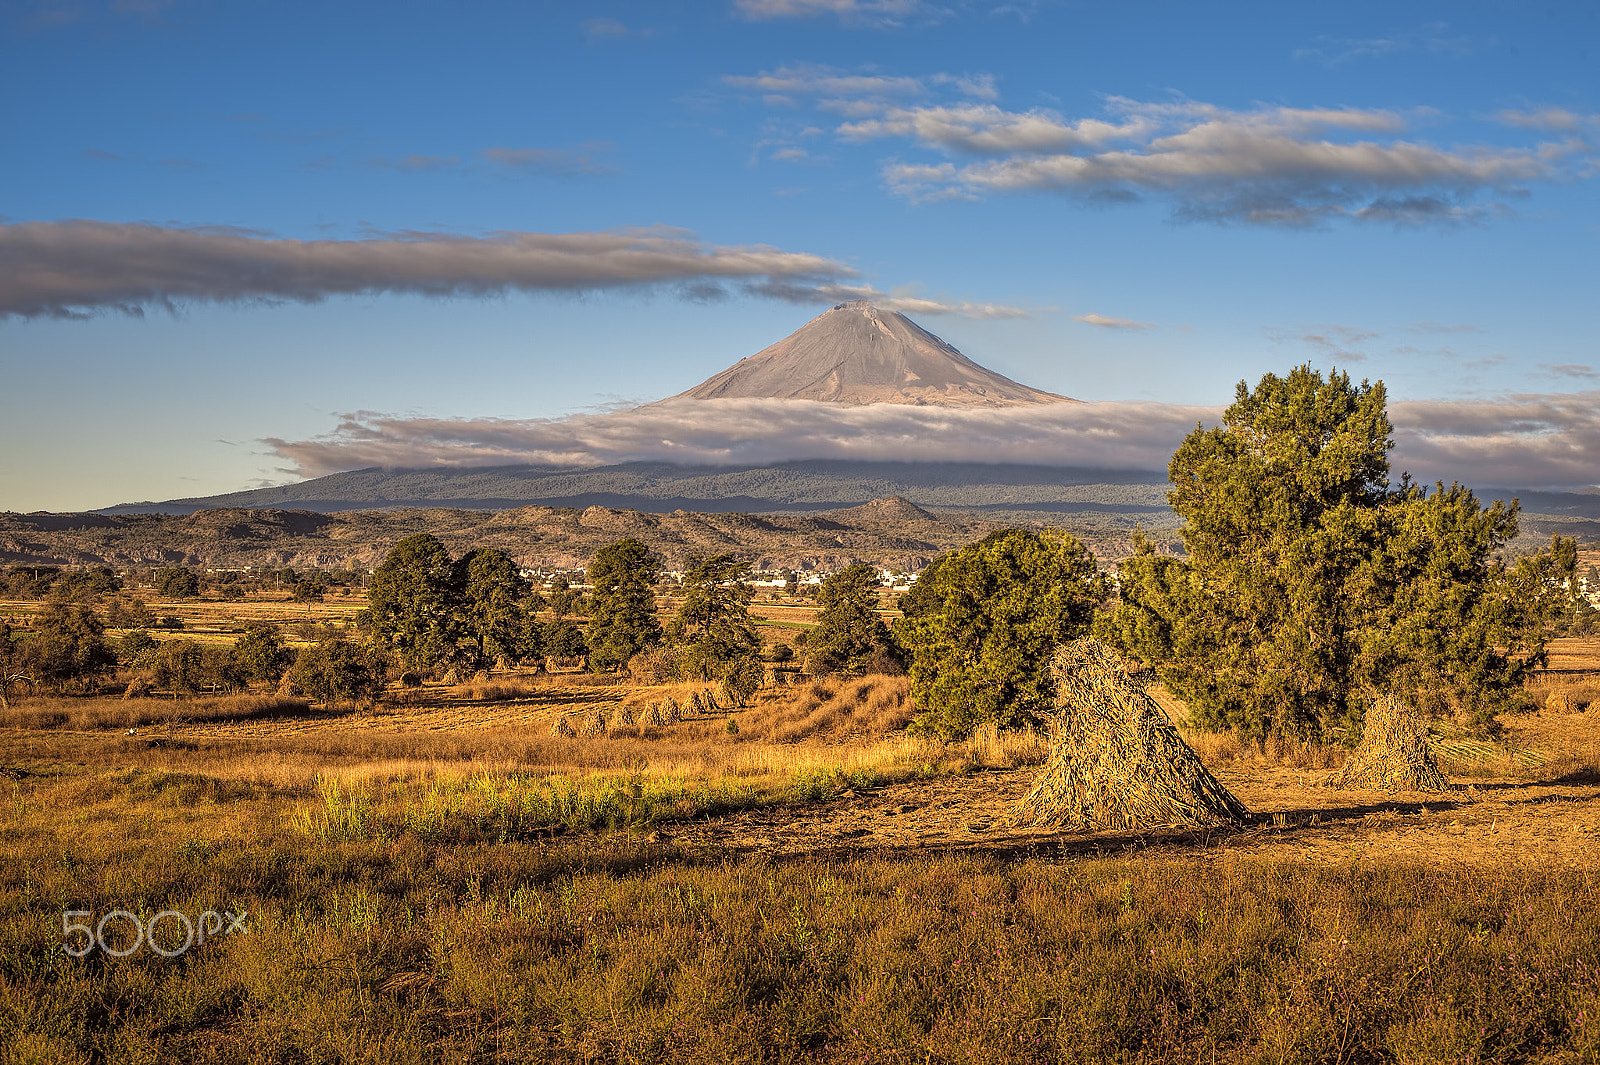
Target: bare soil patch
{"points": [[1549, 823]]}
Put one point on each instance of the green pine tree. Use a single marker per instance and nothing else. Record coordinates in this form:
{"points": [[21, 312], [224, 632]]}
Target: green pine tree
{"points": [[981, 624], [413, 603], [1310, 582], [849, 635], [712, 627], [622, 606], [493, 604]]}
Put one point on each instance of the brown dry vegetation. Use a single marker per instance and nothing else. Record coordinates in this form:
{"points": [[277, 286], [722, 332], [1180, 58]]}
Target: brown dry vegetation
{"points": [[446, 880]]}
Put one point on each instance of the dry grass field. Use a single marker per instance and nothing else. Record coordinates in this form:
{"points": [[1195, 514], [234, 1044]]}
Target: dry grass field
{"points": [[444, 877]]}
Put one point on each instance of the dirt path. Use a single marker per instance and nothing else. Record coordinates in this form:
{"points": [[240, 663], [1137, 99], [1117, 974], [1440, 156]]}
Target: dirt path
{"points": [[1546, 824]]}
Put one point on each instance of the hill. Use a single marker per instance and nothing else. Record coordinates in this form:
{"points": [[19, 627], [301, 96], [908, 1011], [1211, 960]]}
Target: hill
{"points": [[890, 533]]}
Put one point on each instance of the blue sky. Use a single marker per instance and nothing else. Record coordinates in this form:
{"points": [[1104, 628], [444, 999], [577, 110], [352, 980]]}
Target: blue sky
{"points": [[227, 226]]}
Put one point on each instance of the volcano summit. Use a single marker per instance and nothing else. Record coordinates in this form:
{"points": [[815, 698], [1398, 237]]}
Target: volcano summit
{"points": [[856, 354]]}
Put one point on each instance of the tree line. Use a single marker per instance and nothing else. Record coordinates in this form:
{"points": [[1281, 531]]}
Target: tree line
{"points": [[1309, 584]]}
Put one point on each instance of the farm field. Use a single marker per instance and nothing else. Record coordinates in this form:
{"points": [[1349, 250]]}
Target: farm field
{"points": [[445, 879]]}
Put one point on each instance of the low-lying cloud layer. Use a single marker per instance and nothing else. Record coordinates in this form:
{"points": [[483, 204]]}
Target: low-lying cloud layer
{"points": [[1530, 440], [73, 269], [1520, 441], [727, 431]]}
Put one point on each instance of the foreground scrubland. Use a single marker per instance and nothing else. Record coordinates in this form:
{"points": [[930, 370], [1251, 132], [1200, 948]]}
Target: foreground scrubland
{"points": [[445, 880]]}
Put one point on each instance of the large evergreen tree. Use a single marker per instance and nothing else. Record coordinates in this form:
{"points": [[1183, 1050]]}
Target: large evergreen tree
{"points": [[412, 603], [493, 603], [712, 628], [981, 624], [622, 606], [849, 635], [1310, 582]]}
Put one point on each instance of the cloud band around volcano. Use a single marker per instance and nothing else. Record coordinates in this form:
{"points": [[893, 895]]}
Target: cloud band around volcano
{"points": [[1524, 440]]}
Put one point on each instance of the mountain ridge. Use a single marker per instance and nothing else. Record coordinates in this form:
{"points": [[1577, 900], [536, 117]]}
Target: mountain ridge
{"points": [[890, 533], [802, 486]]}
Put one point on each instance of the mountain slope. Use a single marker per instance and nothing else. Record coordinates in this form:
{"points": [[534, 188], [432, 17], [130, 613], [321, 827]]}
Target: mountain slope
{"points": [[1115, 497], [856, 354]]}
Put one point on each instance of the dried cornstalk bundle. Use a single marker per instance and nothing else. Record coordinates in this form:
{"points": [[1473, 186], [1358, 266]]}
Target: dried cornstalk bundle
{"points": [[654, 717], [450, 677], [1117, 762], [592, 724], [1393, 753], [563, 728], [622, 717], [671, 711]]}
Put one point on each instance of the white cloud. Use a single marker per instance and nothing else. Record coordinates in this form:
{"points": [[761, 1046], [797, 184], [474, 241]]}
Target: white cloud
{"points": [[849, 12], [1106, 322], [1537, 441], [74, 268], [1558, 119], [984, 129], [1334, 342], [835, 292], [1522, 440], [1271, 166], [813, 80], [1110, 435]]}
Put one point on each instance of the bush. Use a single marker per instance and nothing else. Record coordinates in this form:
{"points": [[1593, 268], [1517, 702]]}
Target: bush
{"points": [[177, 583], [655, 666], [136, 645], [982, 622], [261, 656], [67, 648], [336, 671], [741, 679]]}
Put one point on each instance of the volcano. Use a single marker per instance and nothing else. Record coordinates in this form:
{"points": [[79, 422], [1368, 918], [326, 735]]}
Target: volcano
{"points": [[856, 354]]}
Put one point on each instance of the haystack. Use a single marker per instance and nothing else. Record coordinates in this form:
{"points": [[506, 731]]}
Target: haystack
{"points": [[1561, 703], [1394, 752], [450, 677], [671, 712], [1117, 762], [653, 717], [563, 728], [138, 688], [592, 724], [622, 717]]}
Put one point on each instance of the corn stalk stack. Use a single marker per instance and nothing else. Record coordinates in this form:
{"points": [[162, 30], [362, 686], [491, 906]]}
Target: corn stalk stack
{"points": [[1393, 753], [1116, 761]]}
